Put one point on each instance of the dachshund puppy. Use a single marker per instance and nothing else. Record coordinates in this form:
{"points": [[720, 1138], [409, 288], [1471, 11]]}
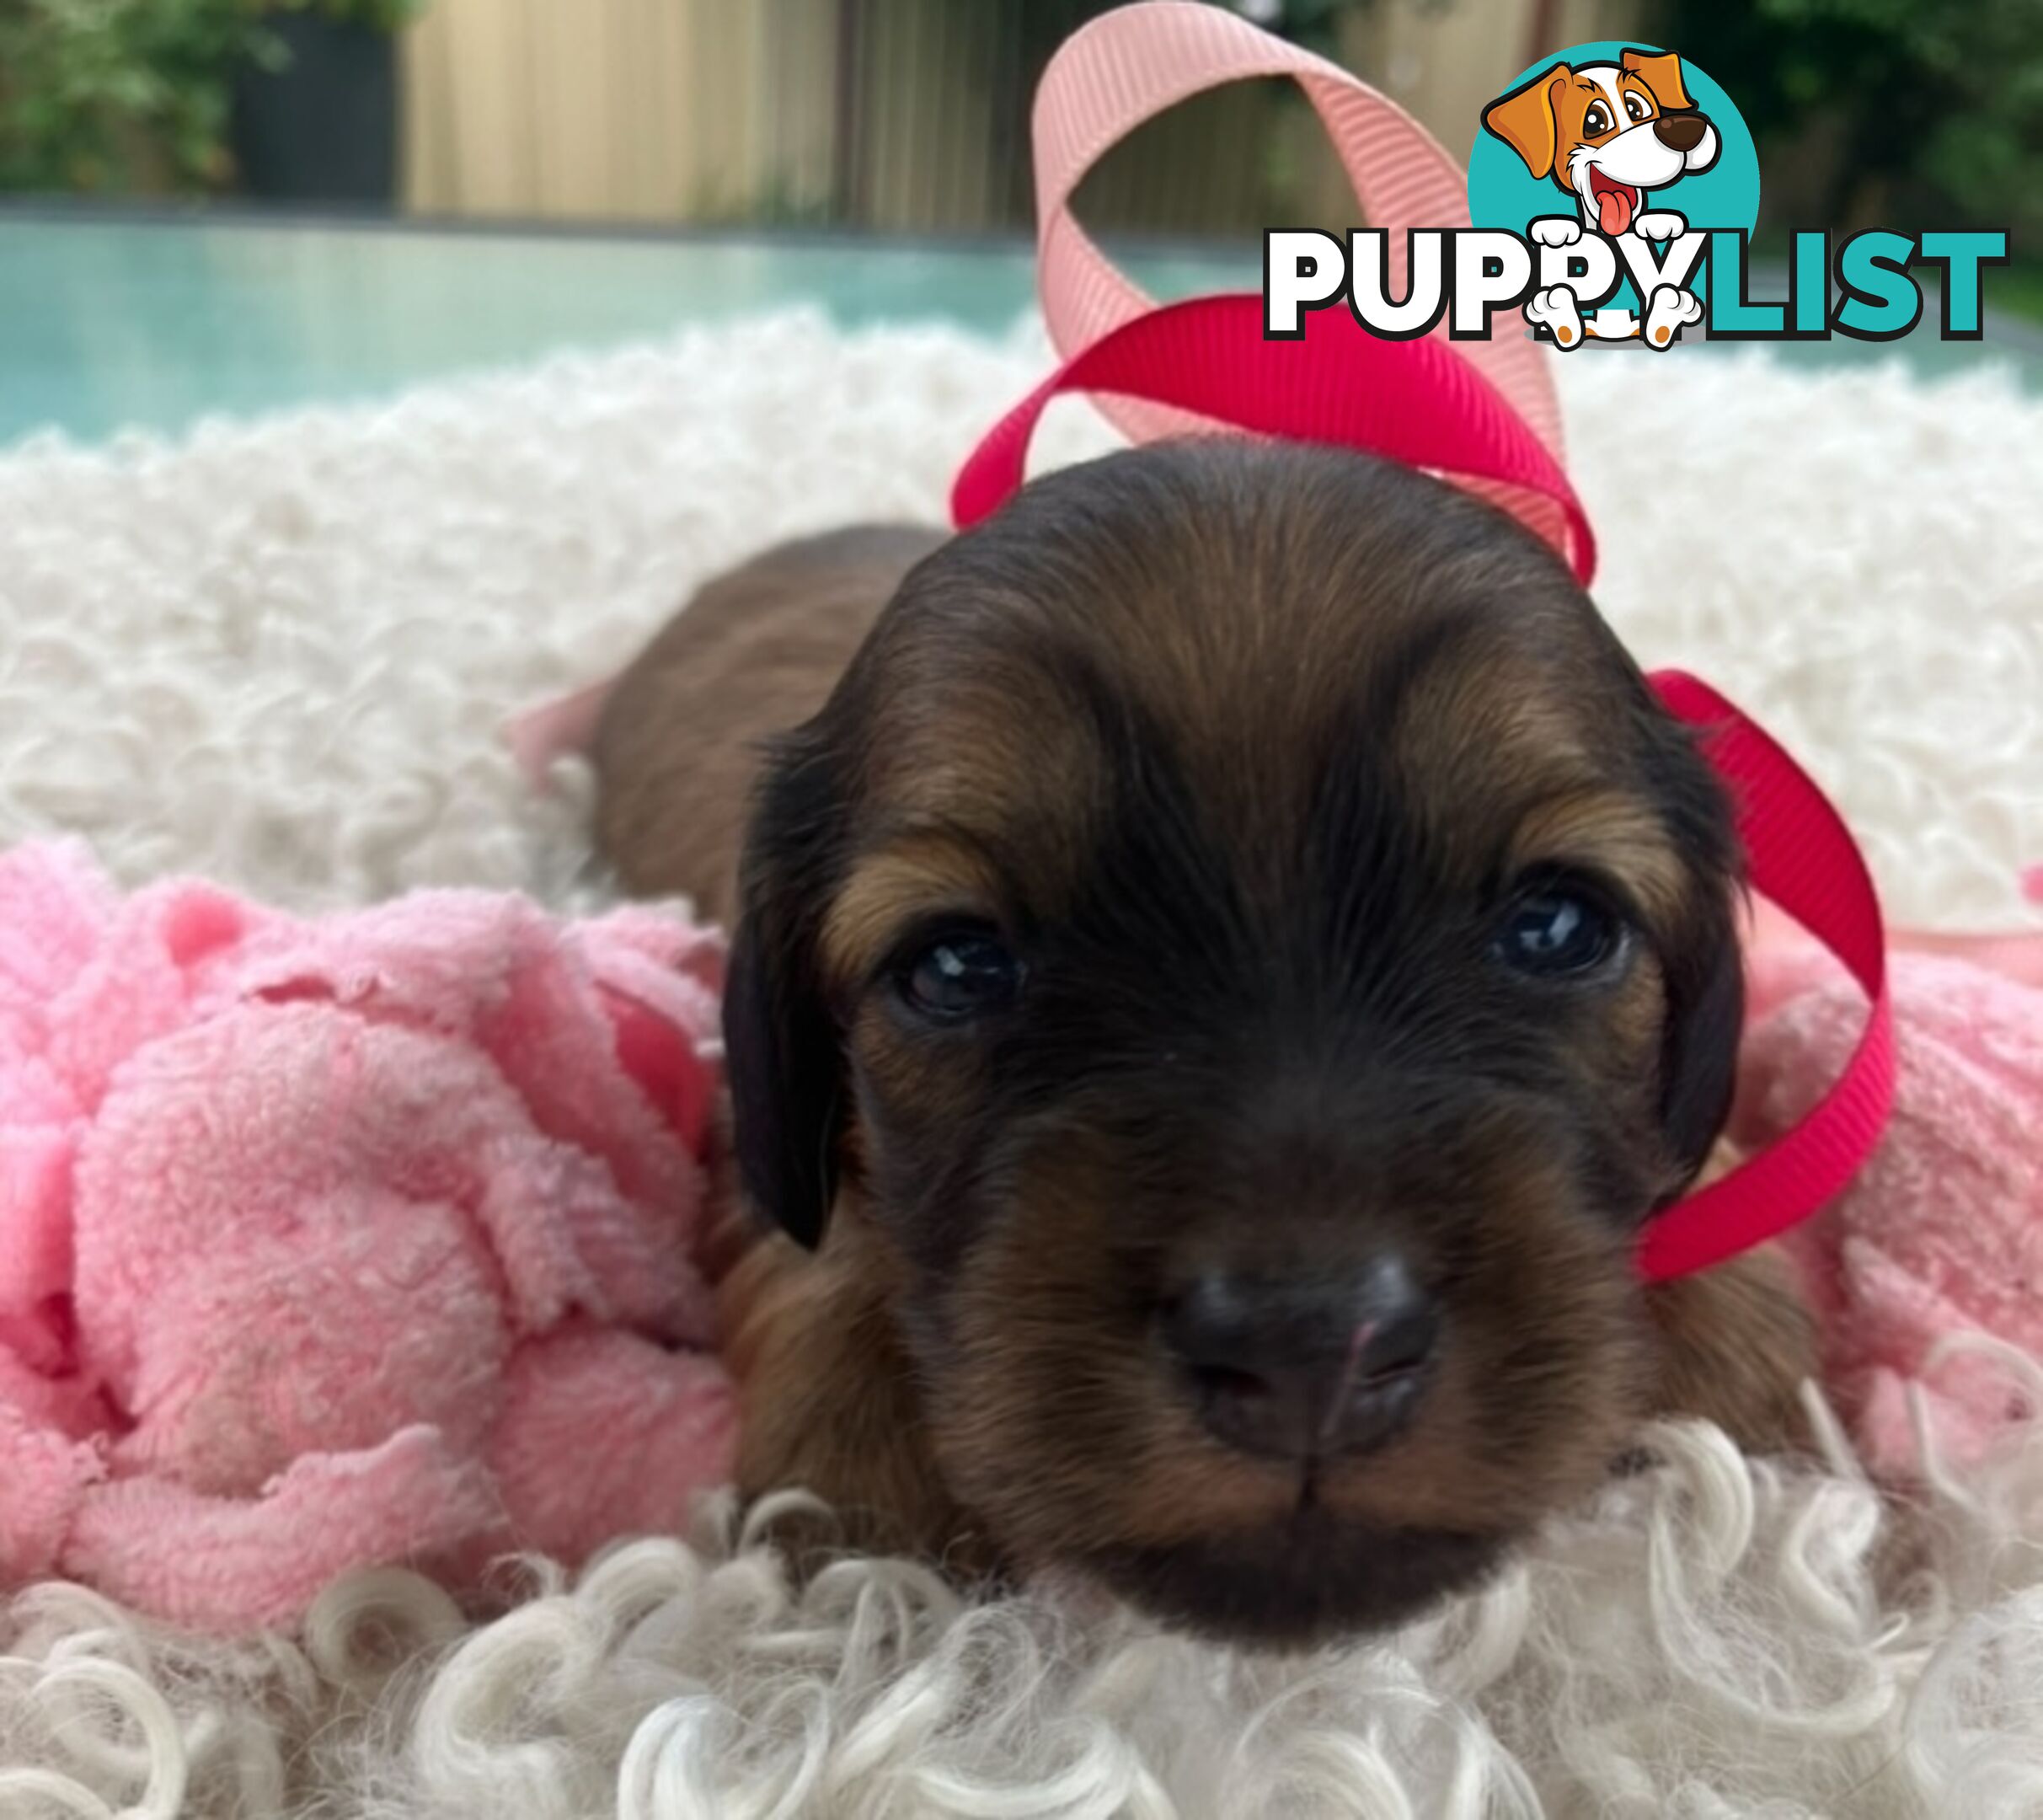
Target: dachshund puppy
{"points": [[1226, 955]]}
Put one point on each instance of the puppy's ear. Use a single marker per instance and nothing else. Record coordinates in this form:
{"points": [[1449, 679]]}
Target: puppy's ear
{"points": [[1660, 71], [783, 1051], [1699, 1051], [1526, 121]]}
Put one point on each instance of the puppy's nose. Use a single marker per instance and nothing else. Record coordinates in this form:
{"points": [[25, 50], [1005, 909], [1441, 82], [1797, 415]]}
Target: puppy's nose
{"points": [[1300, 1370], [1680, 132]]}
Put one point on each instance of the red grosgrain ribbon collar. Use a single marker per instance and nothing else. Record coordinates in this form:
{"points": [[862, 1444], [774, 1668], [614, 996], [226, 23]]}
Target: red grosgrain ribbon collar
{"points": [[1479, 414]]}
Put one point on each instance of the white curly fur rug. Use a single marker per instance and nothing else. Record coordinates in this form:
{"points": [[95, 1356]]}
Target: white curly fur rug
{"points": [[280, 654]]}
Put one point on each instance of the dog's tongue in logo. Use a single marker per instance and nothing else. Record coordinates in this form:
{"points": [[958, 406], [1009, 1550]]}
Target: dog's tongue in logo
{"points": [[1616, 202]]}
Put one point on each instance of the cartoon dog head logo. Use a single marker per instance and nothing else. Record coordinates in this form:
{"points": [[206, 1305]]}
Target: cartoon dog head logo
{"points": [[1650, 234], [1608, 133], [1643, 147]]}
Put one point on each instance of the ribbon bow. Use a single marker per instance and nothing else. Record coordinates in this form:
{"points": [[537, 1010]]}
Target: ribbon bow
{"points": [[1481, 414]]}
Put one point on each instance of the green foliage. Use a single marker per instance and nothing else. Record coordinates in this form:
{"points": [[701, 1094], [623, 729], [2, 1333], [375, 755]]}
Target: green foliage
{"points": [[121, 95], [1936, 105], [112, 95], [1314, 23]]}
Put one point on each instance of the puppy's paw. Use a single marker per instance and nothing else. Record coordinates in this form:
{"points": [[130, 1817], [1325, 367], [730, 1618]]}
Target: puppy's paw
{"points": [[1556, 230], [1735, 1343], [1672, 307], [1555, 310], [1659, 224]]}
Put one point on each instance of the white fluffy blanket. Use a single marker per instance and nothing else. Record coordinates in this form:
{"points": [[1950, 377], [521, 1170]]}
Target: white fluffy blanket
{"points": [[280, 654]]}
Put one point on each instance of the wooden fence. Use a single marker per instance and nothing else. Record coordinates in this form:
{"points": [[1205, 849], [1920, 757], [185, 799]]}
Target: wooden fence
{"points": [[899, 114]]}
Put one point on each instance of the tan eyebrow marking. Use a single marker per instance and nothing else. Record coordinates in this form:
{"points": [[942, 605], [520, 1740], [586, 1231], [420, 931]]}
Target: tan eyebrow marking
{"points": [[916, 875], [1610, 831]]}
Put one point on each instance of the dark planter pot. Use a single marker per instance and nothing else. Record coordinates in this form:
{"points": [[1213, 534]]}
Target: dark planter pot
{"points": [[323, 128]]}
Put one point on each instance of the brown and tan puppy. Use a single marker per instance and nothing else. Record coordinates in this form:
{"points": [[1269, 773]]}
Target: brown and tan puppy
{"points": [[1228, 954]]}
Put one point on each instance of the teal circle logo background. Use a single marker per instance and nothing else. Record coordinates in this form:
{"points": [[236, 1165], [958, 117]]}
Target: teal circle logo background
{"points": [[1503, 194]]}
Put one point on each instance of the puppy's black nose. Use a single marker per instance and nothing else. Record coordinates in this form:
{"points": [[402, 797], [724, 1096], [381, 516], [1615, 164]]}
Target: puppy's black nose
{"points": [[1680, 132], [1302, 1370]]}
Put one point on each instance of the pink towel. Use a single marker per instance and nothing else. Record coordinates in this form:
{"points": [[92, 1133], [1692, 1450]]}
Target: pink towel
{"points": [[326, 1242], [1942, 1234], [370, 1237]]}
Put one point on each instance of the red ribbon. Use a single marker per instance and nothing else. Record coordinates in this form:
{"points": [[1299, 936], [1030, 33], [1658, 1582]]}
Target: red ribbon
{"points": [[1418, 402], [1421, 402], [1800, 854]]}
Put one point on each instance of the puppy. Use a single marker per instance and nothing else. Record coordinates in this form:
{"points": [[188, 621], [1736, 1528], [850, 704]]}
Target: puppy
{"points": [[1607, 133], [1228, 954]]}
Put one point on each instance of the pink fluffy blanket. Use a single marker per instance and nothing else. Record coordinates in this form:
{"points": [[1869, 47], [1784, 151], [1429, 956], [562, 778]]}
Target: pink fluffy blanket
{"points": [[371, 1236], [1941, 1235], [358, 1238]]}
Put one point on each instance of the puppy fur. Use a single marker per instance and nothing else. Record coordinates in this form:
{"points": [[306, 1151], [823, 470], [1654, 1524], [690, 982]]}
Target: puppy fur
{"points": [[1244, 749]]}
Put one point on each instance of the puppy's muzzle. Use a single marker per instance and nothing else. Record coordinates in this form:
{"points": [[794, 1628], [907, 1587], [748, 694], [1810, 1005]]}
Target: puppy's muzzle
{"points": [[1304, 1371], [1681, 132]]}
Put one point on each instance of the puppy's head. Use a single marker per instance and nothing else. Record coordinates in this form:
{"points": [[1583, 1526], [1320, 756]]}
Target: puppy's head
{"points": [[1246, 942], [1607, 132]]}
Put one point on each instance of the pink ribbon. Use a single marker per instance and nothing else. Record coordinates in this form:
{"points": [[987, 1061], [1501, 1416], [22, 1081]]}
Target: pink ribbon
{"points": [[1119, 70], [1481, 414]]}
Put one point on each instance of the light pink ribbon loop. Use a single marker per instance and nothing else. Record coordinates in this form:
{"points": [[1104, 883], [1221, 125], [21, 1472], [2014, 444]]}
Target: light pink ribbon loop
{"points": [[1131, 64]]}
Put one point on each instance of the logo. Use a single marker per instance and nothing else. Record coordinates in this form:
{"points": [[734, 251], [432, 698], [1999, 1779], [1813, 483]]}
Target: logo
{"points": [[1612, 191], [1628, 161]]}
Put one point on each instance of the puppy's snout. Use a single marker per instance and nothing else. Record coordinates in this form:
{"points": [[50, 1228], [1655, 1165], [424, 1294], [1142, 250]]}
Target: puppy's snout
{"points": [[1680, 132], [1298, 1370]]}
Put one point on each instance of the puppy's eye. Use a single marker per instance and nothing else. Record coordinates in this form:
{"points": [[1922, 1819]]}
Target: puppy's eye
{"points": [[959, 977], [1558, 934], [1634, 105], [1596, 119]]}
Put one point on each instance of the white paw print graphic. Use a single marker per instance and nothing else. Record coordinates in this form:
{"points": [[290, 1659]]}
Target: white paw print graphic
{"points": [[1659, 224], [1555, 308], [1670, 309]]}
